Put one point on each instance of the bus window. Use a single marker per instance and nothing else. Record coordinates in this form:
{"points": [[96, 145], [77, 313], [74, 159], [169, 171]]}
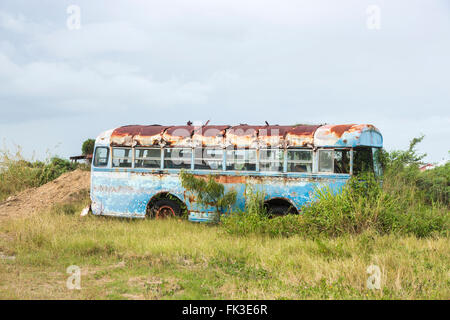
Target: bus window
{"points": [[362, 160], [121, 157], [242, 159], [271, 160], [299, 161], [208, 159], [325, 160], [101, 157], [177, 158], [341, 161], [147, 158], [377, 167]]}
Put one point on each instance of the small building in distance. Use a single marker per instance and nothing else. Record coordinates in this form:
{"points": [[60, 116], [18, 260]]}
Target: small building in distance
{"points": [[87, 158]]}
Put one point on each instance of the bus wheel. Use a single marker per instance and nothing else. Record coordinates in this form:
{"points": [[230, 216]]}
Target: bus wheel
{"points": [[279, 207], [163, 209]]}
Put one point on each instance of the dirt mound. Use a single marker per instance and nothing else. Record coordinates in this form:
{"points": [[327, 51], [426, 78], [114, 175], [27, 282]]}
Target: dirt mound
{"points": [[68, 187]]}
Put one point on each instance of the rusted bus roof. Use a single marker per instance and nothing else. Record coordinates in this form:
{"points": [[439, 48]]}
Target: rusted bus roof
{"points": [[348, 135], [242, 136], [178, 136], [209, 136], [136, 135], [301, 136], [272, 136]]}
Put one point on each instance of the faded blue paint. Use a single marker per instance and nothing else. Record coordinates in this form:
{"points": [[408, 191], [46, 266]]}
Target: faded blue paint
{"points": [[126, 192], [367, 136]]}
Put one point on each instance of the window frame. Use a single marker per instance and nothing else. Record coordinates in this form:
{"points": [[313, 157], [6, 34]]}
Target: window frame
{"points": [[265, 161], [114, 158], [350, 160], [333, 150], [95, 157], [235, 161], [164, 159], [136, 158], [311, 151], [203, 159]]}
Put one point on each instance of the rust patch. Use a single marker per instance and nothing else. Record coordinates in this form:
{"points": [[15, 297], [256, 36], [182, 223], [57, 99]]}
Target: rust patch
{"points": [[179, 136], [209, 136], [224, 136], [137, 135], [301, 136], [339, 130], [230, 179], [223, 178]]}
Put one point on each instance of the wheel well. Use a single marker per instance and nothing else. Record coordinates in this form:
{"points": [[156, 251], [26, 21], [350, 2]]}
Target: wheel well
{"points": [[165, 196], [280, 205]]}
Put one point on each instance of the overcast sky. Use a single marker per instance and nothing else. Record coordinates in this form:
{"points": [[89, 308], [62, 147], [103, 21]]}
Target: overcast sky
{"points": [[167, 62]]}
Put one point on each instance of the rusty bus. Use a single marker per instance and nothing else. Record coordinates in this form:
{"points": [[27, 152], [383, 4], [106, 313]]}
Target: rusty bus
{"points": [[135, 170]]}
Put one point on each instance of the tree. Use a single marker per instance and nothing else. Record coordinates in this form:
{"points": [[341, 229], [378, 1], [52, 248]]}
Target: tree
{"points": [[88, 147]]}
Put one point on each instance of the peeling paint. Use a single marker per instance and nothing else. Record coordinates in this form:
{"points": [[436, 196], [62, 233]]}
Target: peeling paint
{"points": [[126, 192]]}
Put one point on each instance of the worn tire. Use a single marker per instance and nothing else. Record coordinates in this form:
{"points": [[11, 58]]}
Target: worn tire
{"points": [[276, 211], [165, 208]]}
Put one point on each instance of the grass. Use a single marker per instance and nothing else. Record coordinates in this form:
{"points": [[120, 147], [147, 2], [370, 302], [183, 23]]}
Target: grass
{"points": [[324, 253], [398, 205], [176, 259]]}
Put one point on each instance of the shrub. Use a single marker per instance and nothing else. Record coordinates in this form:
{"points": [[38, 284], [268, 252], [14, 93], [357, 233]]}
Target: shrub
{"points": [[255, 219], [407, 201]]}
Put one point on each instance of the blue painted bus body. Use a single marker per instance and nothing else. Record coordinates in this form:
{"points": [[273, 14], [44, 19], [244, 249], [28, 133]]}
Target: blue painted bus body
{"points": [[126, 193]]}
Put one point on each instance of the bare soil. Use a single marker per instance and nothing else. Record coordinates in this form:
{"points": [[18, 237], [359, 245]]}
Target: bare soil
{"points": [[66, 188]]}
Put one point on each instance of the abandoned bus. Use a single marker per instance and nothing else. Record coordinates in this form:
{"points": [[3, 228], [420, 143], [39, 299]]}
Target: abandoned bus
{"points": [[135, 169]]}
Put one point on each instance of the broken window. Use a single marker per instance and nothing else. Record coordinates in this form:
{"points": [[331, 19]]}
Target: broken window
{"points": [[341, 161], [147, 158], [121, 157], [101, 157], [242, 159], [299, 161], [362, 160], [271, 160], [177, 158]]}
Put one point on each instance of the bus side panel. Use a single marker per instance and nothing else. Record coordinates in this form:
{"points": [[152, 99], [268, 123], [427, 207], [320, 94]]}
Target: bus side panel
{"points": [[298, 191], [126, 194]]}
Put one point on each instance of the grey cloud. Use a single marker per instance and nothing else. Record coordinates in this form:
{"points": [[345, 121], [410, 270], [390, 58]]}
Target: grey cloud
{"points": [[228, 61]]}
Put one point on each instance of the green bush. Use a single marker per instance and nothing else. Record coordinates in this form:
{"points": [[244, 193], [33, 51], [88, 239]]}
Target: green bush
{"points": [[354, 211], [406, 201], [208, 192], [255, 219], [402, 166]]}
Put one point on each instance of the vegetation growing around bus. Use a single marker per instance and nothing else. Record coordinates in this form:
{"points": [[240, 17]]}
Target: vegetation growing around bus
{"points": [[177, 259], [322, 253], [209, 192], [407, 201]]}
